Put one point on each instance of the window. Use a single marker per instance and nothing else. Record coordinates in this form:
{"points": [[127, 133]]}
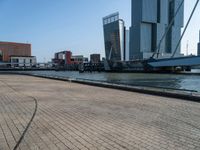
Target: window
{"points": [[158, 11], [171, 10]]}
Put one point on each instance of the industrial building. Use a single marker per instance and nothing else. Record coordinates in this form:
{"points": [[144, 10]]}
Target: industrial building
{"points": [[95, 58], [150, 18], [23, 61], [63, 57], [8, 49], [114, 37], [198, 46], [66, 58], [78, 59]]}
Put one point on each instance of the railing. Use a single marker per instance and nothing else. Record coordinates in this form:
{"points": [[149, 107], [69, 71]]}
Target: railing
{"points": [[25, 65]]}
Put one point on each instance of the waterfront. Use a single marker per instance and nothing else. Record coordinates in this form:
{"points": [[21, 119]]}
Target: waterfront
{"points": [[172, 81], [81, 117]]}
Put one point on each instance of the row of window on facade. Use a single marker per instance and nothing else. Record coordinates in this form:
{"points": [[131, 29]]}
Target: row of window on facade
{"points": [[150, 19], [111, 19], [23, 61]]}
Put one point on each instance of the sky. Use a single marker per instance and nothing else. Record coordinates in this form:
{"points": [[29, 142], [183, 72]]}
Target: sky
{"points": [[76, 25]]}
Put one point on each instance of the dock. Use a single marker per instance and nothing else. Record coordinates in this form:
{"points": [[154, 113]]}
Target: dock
{"points": [[72, 116]]}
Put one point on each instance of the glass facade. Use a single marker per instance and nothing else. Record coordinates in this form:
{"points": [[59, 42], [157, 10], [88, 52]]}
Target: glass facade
{"points": [[169, 35], [114, 32], [150, 19]]}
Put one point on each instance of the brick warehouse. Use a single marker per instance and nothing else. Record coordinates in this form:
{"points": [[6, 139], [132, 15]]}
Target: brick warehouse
{"points": [[8, 49]]}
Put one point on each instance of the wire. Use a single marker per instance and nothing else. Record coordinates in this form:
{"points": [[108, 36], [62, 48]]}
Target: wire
{"points": [[185, 28], [168, 29]]}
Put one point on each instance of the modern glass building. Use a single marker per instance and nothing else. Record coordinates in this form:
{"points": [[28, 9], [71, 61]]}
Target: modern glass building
{"points": [[114, 37], [150, 19]]}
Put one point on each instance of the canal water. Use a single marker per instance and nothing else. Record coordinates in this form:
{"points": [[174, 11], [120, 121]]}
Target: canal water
{"points": [[166, 81]]}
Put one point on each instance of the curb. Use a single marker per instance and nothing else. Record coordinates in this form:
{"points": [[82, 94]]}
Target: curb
{"points": [[143, 90]]}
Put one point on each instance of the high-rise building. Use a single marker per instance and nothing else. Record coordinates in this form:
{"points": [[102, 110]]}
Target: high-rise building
{"points": [[198, 46], [114, 37], [150, 19]]}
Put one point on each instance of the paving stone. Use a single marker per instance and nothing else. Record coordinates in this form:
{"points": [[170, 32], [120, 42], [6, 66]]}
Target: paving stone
{"points": [[73, 116]]}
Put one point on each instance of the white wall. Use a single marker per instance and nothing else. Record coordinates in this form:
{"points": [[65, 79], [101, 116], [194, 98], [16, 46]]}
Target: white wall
{"points": [[21, 61]]}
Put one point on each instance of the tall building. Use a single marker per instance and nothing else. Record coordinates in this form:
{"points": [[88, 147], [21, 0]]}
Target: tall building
{"points": [[150, 19], [114, 37], [8, 49], [198, 46]]}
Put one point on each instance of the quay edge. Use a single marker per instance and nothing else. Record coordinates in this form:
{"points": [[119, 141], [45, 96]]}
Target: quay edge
{"points": [[189, 96]]}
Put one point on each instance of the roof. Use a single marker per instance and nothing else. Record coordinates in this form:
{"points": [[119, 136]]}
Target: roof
{"points": [[173, 62], [21, 56], [111, 18], [77, 56], [5, 42]]}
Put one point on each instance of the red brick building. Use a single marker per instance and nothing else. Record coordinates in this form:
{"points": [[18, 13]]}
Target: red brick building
{"points": [[63, 58], [8, 49], [66, 58]]}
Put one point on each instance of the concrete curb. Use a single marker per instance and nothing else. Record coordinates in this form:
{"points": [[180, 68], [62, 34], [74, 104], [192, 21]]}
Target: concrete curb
{"points": [[149, 91]]}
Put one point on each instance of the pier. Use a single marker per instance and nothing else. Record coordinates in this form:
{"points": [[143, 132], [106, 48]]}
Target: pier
{"points": [[72, 116]]}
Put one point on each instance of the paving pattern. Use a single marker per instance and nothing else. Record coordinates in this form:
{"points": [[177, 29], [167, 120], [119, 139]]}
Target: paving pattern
{"points": [[79, 117]]}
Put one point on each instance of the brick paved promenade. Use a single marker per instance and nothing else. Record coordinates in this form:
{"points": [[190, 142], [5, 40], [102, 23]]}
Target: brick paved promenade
{"points": [[81, 117]]}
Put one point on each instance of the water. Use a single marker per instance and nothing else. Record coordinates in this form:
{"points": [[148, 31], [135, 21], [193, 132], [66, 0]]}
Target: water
{"points": [[171, 81]]}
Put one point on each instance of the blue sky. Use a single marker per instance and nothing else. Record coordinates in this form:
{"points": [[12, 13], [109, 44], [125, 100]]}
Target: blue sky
{"points": [[76, 25]]}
